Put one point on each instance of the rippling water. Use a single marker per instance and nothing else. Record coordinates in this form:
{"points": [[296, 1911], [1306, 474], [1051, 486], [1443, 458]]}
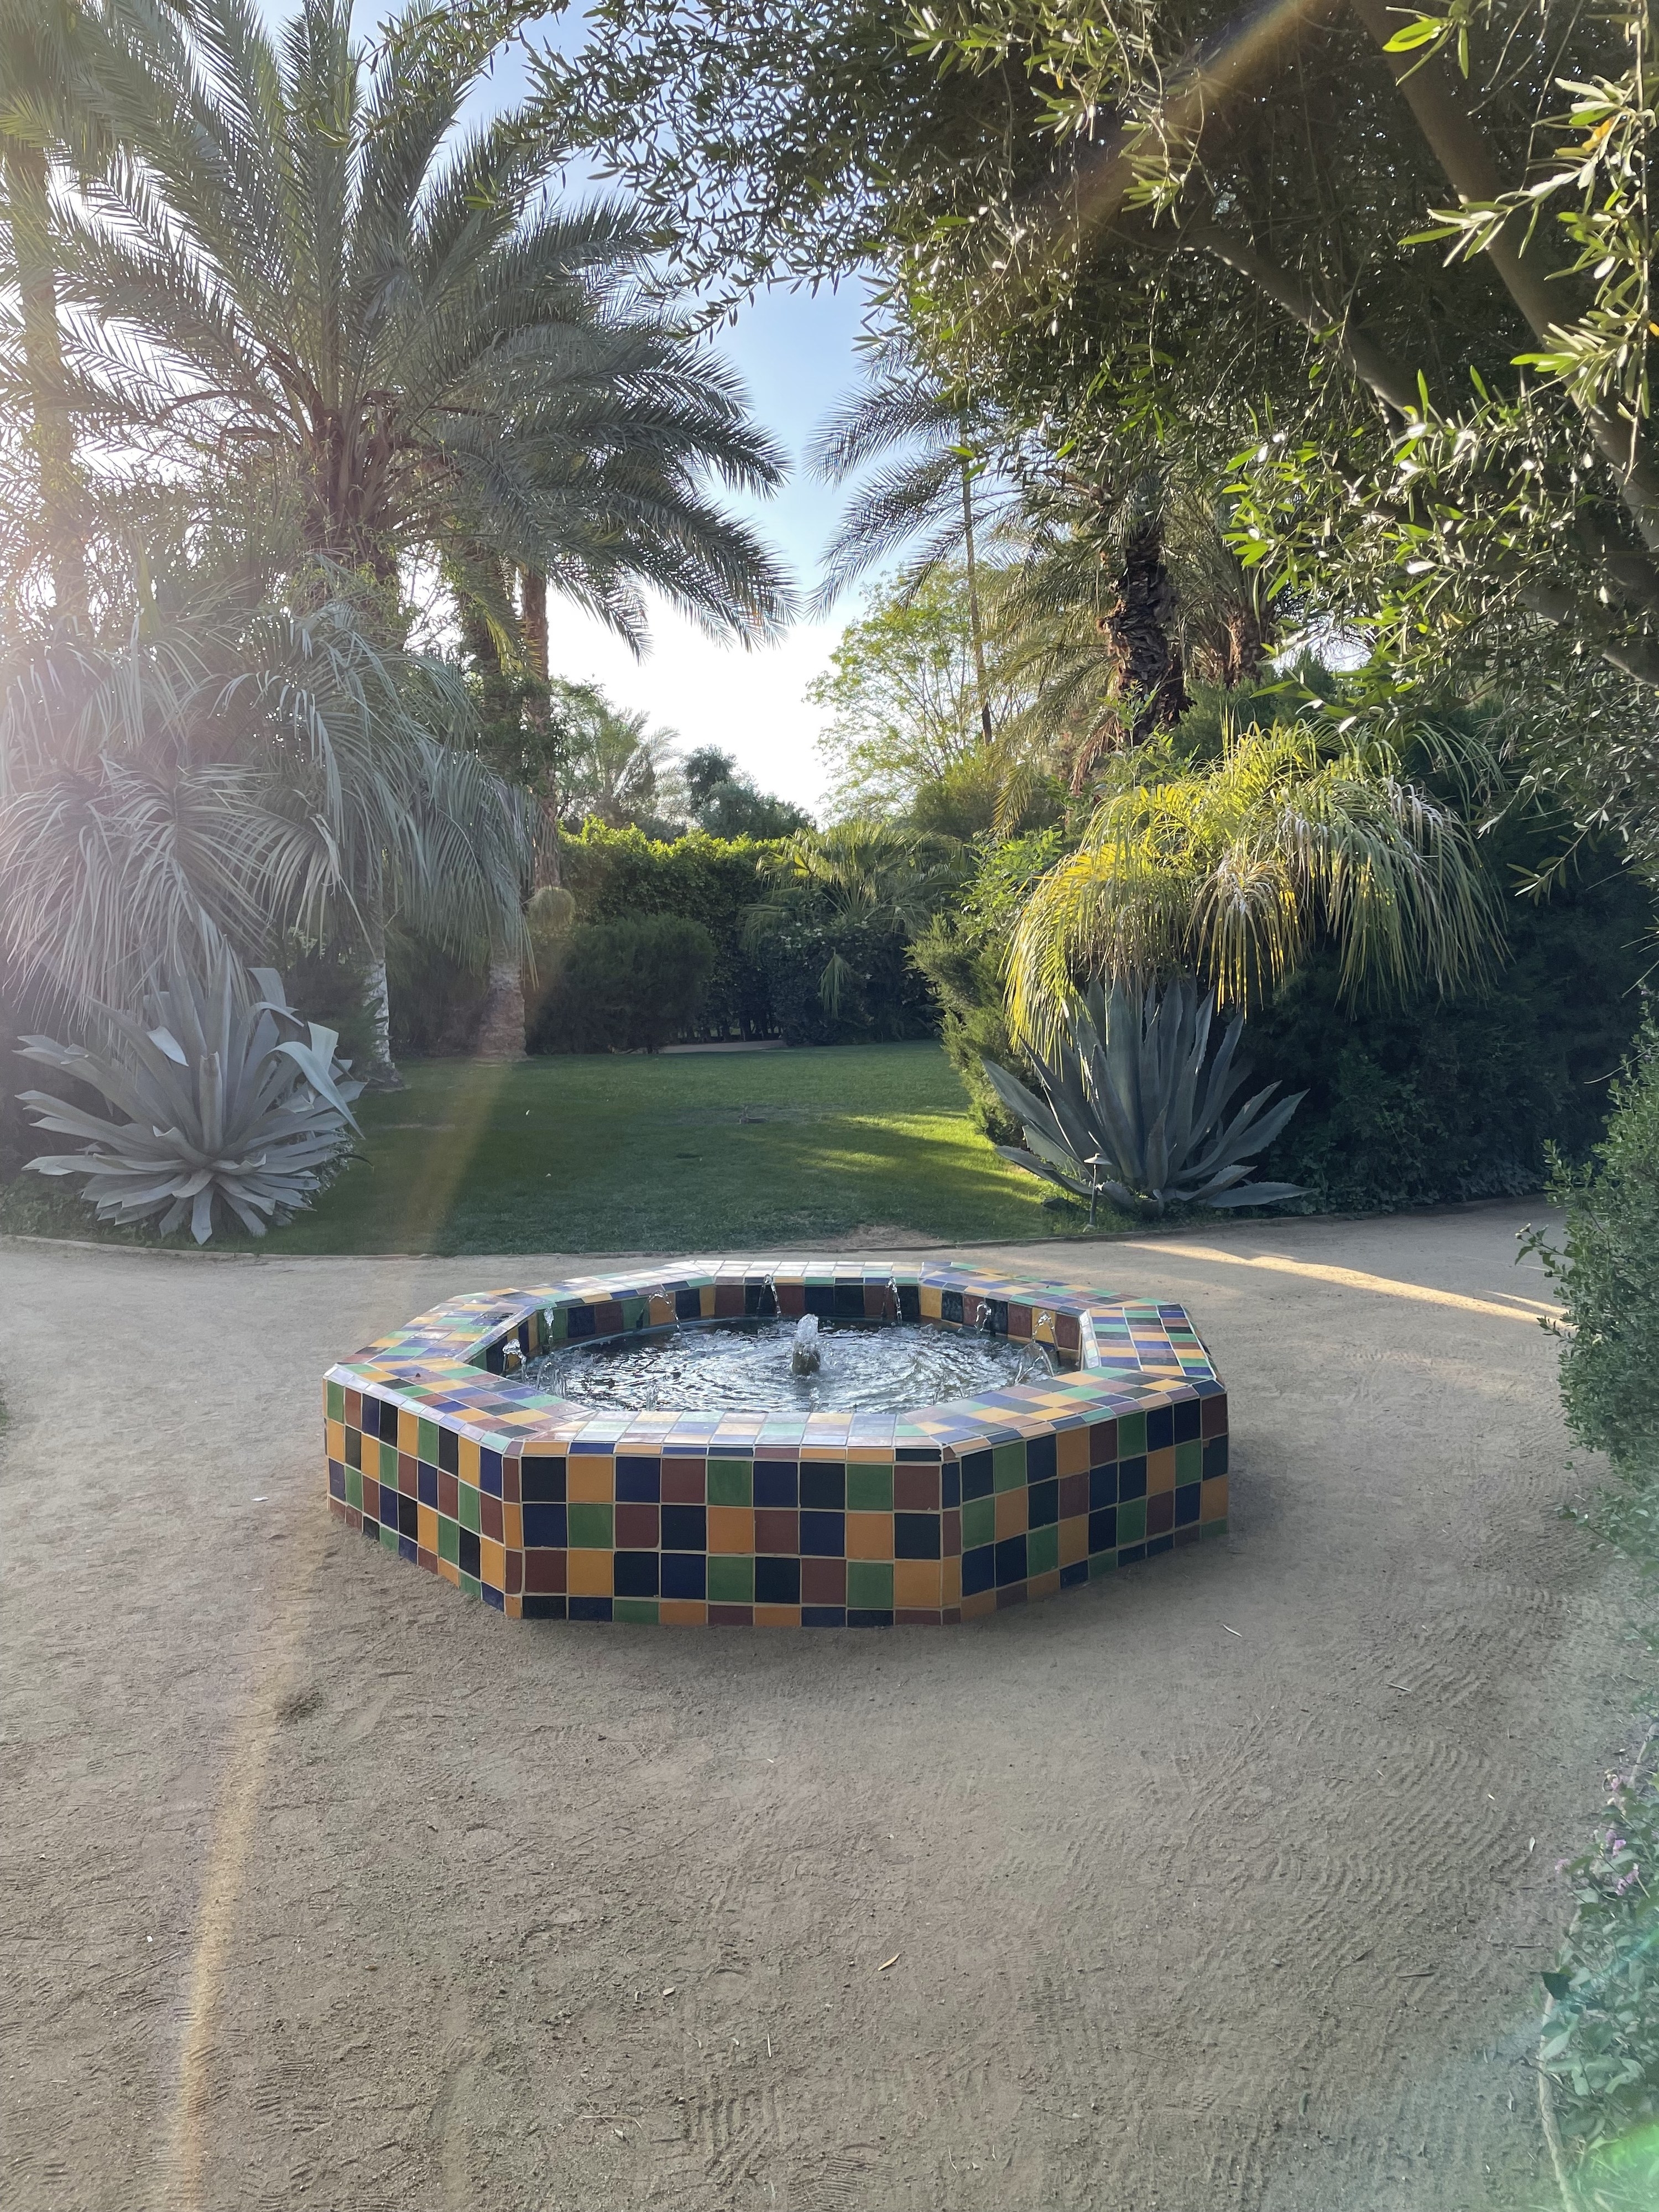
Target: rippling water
{"points": [[746, 1364]]}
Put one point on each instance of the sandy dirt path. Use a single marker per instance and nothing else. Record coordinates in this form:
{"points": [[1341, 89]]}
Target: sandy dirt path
{"points": [[324, 1888]]}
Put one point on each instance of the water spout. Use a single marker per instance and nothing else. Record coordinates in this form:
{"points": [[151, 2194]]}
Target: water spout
{"points": [[804, 1356]]}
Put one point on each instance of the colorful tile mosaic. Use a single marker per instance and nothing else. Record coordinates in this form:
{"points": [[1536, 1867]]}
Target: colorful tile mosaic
{"points": [[547, 1509]]}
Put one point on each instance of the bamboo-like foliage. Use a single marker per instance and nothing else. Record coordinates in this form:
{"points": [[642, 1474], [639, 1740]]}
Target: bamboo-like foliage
{"points": [[231, 1101], [1137, 1105], [1233, 869]]}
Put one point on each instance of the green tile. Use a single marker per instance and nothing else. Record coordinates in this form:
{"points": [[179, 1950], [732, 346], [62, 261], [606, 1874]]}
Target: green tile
{"points": [[1101, 1563], [731, 1580], [426, 1441], [389, 1464], [1131, 1521], [553, 1324], [355, 1448], [354, 1487], [1008, 1466], [1208, 1529], [1042, 1550], [870, 1584], [634, 1608], [869, 1489], [389, 1540], [472, 1588], [1189, 1462], [334, 1395], [449, 1539], [470, 1508], [1131, 1434], [590, 1527], [979, 1522], [636, 1314], [731, 1482]]}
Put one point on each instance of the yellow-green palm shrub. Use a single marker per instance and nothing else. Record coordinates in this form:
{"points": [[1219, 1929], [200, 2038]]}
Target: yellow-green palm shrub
{"points": [[1234, 870]]}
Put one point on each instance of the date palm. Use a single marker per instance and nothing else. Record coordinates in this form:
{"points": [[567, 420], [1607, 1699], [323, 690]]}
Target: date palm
{"points": [[302, 268]]}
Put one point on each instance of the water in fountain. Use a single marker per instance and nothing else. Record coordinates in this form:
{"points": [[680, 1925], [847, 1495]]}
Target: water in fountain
{"points": [[753, 1366]]}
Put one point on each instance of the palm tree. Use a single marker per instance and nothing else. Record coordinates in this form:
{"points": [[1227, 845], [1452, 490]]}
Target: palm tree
{"points": [[225, 771], [301, 267], [617, 762], [1233, 869]]}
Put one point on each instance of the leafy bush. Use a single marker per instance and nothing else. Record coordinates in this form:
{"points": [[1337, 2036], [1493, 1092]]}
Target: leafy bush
{"points": [[634, 984], [231, 1101]]}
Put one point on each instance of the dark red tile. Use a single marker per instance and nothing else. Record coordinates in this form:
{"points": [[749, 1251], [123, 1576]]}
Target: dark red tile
{"points": [[489, 1514], [406, 1478], [777, 1530], [731, 1616], [728, 1301], [510, 1490], [1214, 1417], [1103, 1443], [682, 1481], [1019, 1322], [950, 1534], [823, 1582], [449, 1501], [915, 1489], [636, 1528], [1073, 1496], [545, 1571], [516, 1571]]}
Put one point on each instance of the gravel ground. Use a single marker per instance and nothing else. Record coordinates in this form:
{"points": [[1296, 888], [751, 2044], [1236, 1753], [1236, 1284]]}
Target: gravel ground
{"points": [[1225, 1884]]}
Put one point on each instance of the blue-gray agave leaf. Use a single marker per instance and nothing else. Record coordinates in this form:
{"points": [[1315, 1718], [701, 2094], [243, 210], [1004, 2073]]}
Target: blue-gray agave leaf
{"points": [[1135, 1104], [225, 1106]]}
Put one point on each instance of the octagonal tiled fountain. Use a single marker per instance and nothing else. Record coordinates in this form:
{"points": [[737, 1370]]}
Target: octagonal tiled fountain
{"points": [[514, 1444]]}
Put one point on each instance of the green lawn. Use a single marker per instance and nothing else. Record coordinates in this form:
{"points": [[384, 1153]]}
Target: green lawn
{"points": [[612, 1153]]}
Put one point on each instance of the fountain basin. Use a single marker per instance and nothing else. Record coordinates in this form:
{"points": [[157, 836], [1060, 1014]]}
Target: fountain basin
{"points": [[547, 1508]]}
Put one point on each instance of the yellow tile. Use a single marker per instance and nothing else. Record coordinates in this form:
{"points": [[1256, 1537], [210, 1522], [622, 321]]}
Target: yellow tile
{"points": [[682, 1612], [334, 1439], [1012, 1505], [427, 1536], [930, 1303], [662, 1316], [468, 1461], [775, 1616], [513, 1527], [492, 1563], [450, 1572], [408, 1430], [1072, 1451], [1160, 1471], [917, 1582], [1073, 1540], [974, 1607], [869, 1535], [589, 1479], [1212, 1499], [1043, 1585], [732, 1528], [514, 1606], [706, 1302], [589, 1573], [950, 1582]]}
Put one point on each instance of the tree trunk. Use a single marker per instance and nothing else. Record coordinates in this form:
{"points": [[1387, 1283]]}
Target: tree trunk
{"points": [[1138, 628], [532, 617], [500, 1033], [381, 1074], [974, 622], [51, 432]]}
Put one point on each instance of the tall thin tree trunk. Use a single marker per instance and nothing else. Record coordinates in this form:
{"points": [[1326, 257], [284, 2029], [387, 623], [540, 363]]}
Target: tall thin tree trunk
{"points": [[1141, 630], [51, 432], [533, 618], [975, 625], [501, 1031], [381, 1074]]}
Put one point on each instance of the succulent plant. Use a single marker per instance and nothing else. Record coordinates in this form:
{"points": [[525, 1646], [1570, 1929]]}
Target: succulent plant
{"points": [[232, 1099], [1136, 1109]]}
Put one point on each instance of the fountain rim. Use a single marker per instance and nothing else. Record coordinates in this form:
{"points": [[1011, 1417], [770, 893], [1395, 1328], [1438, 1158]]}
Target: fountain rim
{"points": [[1126, 1352]]}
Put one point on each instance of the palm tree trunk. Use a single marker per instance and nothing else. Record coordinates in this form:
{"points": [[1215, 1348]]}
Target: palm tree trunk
{"points": [[51, 433], [974, 623], [533, 618], [500, 1033], [381, 1074], [1141, 627]]}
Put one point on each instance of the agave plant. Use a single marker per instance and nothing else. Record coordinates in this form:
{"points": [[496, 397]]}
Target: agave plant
{"points": [[1137, 1104], [231, 1100]]}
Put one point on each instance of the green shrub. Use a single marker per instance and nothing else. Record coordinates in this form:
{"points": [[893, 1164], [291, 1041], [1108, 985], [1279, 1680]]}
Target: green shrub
{"points": [[634, 984], [1607, 1276]]}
